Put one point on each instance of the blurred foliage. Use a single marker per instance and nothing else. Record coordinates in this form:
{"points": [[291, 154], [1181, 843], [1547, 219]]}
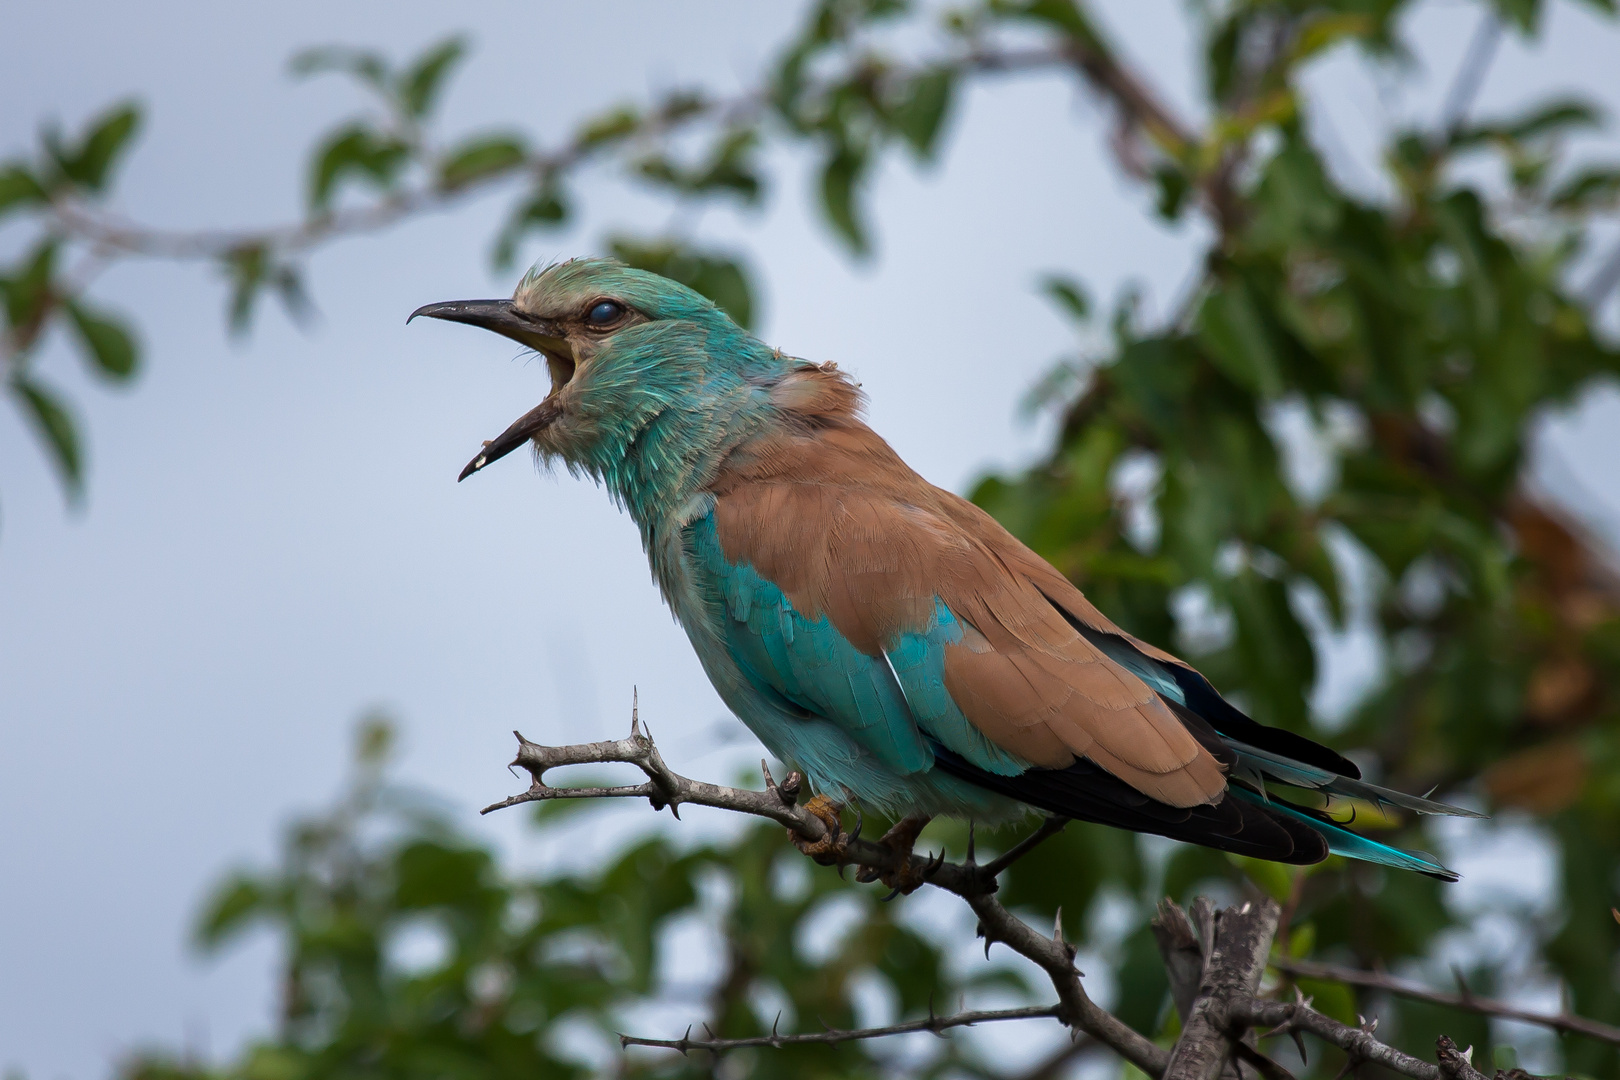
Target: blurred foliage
{"points": [[1409, 339], [408, 950]]}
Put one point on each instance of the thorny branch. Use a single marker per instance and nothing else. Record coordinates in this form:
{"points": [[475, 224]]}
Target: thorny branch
{"points": [[1215, 958], [1565, 1023], [935, 1024]]}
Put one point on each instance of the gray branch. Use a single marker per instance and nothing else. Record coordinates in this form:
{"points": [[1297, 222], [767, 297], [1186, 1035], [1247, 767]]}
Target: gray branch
{"points": [[936, 1024], [1214, 958], [1240, 943], [1566, 1023]]}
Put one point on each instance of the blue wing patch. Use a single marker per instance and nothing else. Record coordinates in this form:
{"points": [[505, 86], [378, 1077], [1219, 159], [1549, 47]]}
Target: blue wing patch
{"points": [[918, 660], [809, 664]]}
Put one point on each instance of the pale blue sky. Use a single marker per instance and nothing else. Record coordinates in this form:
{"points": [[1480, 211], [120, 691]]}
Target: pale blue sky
{"points": [[274, 540]]}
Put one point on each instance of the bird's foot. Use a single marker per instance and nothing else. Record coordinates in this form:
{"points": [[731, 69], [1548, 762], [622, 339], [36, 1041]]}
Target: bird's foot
{"points": [[831, 849], [911, 874]]}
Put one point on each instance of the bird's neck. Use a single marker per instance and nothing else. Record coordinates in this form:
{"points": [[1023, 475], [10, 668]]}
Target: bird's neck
{"points": [[660, 474]]}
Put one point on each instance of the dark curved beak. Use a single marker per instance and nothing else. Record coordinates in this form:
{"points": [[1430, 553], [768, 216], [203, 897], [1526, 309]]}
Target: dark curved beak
{"points": [[522, 430], [503, 317], [541, 335]]}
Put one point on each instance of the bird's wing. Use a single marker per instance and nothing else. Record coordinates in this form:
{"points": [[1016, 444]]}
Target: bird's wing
{"points": [[1257, 753], [861, 550], [797, 658]]}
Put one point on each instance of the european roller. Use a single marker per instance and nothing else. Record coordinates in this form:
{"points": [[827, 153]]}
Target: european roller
{"points": [[887, 638]]}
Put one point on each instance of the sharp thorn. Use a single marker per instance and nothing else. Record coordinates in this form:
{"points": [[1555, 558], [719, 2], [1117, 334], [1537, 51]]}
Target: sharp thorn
{"points": [[1057, 926], [969, 859]]}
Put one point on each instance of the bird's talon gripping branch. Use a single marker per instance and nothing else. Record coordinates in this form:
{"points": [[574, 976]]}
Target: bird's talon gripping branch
{"points": [[910, 873], [831, 848]]}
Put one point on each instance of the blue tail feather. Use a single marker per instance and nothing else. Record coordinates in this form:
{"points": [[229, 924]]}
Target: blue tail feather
{"points": [[1342, 841]]}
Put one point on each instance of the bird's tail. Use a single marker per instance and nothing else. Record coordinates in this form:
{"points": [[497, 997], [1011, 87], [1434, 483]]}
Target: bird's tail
{"points": [[1341, 841]]}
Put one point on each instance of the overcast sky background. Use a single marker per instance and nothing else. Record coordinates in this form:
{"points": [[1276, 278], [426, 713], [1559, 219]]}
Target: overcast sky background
{"points": [[274, 541]]}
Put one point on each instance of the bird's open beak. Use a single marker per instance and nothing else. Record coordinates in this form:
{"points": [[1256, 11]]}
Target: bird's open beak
{"points": [[541, 335]]}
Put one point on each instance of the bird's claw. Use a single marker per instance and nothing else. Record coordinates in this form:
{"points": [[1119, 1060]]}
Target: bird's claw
{"points": [[833, 845], [912, 873]]}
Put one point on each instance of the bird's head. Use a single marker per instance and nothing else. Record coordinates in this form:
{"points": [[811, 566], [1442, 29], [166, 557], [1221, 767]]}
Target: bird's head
{"points": [[623, 346]]}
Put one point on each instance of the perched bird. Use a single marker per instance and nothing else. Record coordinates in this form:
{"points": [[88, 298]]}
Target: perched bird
{"points": [[887, 638]]}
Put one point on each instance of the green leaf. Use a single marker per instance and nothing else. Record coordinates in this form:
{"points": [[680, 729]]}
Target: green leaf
{"points": [[480, 158], [289, 286], [1062, 15], [369, 67], [107, 341], [1552, 119], [729, 169], [1523, 14], [19, 188], [31, 293], [1272, 878], [1588, 190], [236, 902], [1555, 118], [1068, 294], [246, 268], [1325, 31], [433, 875], [544, 208], [354, 151], [1232, 328], [92, 163], [840, 176], [921, 115], [55, 427], [1173, 190], [609, 127], [420, 84]]}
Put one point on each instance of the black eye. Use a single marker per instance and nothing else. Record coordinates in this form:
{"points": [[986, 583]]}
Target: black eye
{"points": [[604, 313]]}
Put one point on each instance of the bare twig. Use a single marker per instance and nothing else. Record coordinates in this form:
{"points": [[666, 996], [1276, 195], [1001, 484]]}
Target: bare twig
{"points": [[1567, 1023], [1049, 827], [1183, 955], [936, 1024], [1457, 1064], [1054, 1065], [1287, 1018], [1471, 74]]}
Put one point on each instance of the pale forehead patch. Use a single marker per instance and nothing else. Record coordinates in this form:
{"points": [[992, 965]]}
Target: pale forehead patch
{"points": [[559, 288]]}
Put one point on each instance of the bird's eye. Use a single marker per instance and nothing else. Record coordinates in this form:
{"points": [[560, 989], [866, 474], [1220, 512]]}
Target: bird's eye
{"points": [[604, 313]]}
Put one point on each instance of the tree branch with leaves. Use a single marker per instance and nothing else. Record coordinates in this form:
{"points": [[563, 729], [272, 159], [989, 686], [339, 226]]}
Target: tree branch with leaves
{"points": [[1420, 336]]}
